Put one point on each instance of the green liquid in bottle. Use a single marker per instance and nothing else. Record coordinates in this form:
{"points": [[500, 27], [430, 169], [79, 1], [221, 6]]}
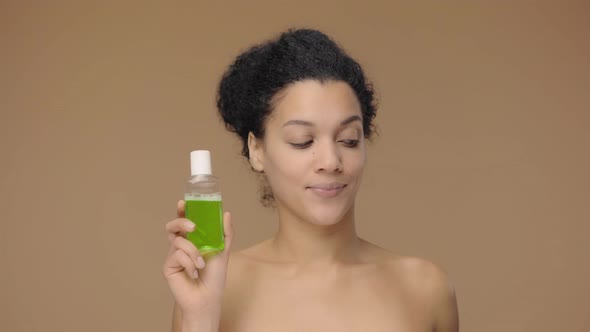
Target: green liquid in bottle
{"points": [[207, 214]]}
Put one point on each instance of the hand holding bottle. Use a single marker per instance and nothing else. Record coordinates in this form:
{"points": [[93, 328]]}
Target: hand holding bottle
{"points": [[197, 286]]}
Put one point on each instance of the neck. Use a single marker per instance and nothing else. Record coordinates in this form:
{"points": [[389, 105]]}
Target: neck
{"points": [[307, 245]]}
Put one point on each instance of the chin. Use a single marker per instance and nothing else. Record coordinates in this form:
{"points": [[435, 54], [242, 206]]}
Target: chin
{"points": [[328, 212], [326, 215]]}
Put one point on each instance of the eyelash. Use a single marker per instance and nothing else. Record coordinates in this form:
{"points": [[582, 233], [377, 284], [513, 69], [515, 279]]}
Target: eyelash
{"points": [[351, 143]]}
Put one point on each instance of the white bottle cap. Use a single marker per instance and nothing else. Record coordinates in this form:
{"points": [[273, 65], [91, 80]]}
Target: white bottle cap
{"points": [[200, 162]]}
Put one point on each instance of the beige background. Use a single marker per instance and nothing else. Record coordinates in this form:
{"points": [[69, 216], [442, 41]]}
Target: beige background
{"points": [[481, 165]]}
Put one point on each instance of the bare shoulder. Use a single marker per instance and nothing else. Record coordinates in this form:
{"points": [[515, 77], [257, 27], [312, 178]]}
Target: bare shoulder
{"points": [[241, 271], [248, 256], [239, 261], [243, 265], [425, 283], [421, 273], [414, 272], [429, 285]]}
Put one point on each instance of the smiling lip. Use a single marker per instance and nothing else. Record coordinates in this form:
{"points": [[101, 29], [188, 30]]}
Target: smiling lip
{"points": [[327, 190]]}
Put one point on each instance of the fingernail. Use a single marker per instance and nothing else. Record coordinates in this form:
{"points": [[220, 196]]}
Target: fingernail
{"points": [[196, 275], [189, 225], [200, 262]]}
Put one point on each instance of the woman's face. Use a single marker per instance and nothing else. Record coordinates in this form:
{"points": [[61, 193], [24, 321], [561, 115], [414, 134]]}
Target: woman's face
{"points": [[313, 151]]}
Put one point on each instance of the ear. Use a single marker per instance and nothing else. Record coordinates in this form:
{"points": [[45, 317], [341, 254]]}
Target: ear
{"points": [[256, 151]]}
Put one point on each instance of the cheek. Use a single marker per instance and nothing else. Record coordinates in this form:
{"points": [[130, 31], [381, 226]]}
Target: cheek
{"points": [[283, 168], [356, 162]]}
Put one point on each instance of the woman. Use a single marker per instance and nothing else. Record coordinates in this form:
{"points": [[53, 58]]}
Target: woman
{"points": [[303, 110]]}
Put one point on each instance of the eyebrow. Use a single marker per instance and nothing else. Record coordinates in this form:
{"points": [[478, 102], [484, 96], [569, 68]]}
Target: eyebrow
{"points": [[309, 124]]}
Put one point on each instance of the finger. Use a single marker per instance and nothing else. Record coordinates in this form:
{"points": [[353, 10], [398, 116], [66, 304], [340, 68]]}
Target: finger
{"points": [[178, 262], [189, 248], [180, 209], [179, 227]]}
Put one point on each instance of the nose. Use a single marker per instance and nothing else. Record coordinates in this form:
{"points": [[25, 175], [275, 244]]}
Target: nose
{"points": [[328, 158]]}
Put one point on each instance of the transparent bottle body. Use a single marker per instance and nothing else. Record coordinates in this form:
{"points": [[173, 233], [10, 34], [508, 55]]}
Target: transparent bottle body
{"points": [[203, 206]]}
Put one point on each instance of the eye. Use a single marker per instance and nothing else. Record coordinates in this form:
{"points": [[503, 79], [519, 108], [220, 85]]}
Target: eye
{"points": [[301, 145], [351, 143]]}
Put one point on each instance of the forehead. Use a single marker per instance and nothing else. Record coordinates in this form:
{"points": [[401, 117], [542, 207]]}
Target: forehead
{"points": [[315, 101]]}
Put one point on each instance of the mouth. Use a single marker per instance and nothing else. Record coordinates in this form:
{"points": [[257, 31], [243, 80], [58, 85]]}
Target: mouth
{"points": [[328, 190]]}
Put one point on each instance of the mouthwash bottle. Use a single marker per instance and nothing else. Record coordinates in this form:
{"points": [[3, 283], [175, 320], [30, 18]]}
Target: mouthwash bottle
{"points": [[203, 205]]}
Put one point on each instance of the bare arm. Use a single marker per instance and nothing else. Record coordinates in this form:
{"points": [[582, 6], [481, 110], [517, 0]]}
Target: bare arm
{"points": [[176, 319], [178, 325]]}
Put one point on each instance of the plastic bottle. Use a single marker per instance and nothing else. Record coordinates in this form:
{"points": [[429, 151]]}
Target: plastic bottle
{"points": [[203, 205]]}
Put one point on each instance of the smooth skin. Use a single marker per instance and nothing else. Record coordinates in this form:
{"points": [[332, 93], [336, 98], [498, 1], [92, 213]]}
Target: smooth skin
{"points": [[315, 274]]}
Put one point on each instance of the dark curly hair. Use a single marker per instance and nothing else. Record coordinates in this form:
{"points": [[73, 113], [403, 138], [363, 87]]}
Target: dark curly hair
{"points": [[246, 91], [248, 86]]}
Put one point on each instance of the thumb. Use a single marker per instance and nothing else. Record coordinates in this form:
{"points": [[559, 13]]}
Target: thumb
{"points": [[216, 267], [228, 231]]}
